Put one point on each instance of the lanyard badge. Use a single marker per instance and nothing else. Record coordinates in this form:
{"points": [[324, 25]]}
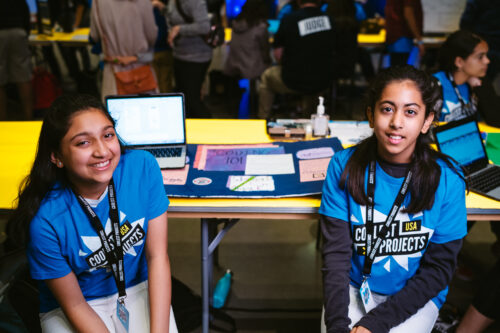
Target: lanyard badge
{"points": [[122, 314], [372, 245], [466, 109], [113, 248]]}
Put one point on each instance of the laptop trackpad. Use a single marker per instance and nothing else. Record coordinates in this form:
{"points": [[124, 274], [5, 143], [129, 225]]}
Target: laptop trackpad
{"points": [[495, 193]]}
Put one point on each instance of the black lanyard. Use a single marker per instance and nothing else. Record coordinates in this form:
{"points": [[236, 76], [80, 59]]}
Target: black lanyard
{"points": [[467, 108], [113, 250], [371, 249]]}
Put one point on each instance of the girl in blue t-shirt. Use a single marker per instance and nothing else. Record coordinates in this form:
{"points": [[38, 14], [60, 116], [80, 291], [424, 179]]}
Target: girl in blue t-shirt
{"points": [[392, 215], [84, 192], [463, 61]]}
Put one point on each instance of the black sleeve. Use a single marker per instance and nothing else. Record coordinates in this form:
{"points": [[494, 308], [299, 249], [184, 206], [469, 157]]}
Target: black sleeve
{"points": [[469, 16], [337, 252], [26, 18], [279, 36], [488, 102], [435, 272]]}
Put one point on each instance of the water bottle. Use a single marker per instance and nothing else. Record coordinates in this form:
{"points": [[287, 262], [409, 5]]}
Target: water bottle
{"points": [[222, 289]]}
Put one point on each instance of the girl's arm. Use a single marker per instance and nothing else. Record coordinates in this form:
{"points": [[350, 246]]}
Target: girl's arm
{"points": [[197, 10], [434, 274], [79, 313], [337, 251], [148, 21], [94, 30], [159, 273]]}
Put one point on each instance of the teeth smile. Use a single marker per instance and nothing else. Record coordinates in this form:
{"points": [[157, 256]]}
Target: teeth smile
{"points": [[397, 137], [102, 164]]}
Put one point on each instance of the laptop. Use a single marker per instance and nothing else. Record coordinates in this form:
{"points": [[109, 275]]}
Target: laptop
{"points": [[155, 123], [462, 140]]}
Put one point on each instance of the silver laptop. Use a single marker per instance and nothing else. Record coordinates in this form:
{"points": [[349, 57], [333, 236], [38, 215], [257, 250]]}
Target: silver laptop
{"points": [[462, 140], [155, 123]]}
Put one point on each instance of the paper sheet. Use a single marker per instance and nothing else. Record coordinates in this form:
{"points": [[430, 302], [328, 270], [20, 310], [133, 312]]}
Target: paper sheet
{"points": [[313, 170], [281, 164], [350, 132], [235, 159], [250, 183], [315, 153], [175, 176], [201, 152]]}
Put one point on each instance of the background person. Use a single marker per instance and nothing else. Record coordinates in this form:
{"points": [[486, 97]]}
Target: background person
{"points": [[404, 21], [130, 34], [463, 61], [15, 56], [188, 23], [304, 48]]}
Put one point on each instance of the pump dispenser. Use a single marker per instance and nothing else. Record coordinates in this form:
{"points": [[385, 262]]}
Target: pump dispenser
{"points": [[320, 120]]}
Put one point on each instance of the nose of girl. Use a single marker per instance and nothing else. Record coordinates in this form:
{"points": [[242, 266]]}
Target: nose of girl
{"points": [[396, 120], [100, 149]]}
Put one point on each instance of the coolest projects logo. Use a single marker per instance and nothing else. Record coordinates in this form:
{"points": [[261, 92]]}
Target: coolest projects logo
{"points": [[406, 238], [132, 234]]}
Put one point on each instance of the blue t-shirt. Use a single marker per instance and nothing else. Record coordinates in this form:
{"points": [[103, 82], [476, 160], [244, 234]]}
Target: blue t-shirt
{"points": [[452, 109], [399, 255], [63, 239]]}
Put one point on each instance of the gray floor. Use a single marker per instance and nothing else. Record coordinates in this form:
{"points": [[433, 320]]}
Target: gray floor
{"points": [[276, 267], [277, 271]]}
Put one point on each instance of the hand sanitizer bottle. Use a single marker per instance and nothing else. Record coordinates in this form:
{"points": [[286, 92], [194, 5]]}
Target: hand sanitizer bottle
{"points": [[320, 120]]}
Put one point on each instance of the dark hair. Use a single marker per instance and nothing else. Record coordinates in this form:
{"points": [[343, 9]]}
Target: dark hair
{"points": [[461, 44], [303, 2], [426, 171], [44, 174], [253, 12], [339, 9]]}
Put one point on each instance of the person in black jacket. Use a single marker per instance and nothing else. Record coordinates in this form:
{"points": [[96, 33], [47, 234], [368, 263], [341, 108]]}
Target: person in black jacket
{"points": [[15, 57], [481, 18]]}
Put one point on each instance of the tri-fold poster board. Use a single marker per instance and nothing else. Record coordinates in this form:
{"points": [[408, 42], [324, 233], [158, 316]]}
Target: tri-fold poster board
{"points": [[267, 170]]}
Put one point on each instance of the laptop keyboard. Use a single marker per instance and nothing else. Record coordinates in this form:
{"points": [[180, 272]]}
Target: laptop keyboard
{"points": [[166, 152], [487, 180]]}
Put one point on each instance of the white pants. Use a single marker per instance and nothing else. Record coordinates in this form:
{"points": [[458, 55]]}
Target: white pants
{"points": [[421, 322], [137, 303]]}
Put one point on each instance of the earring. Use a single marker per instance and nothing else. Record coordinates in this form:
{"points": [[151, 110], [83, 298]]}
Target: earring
{"points": [[59, 164]]}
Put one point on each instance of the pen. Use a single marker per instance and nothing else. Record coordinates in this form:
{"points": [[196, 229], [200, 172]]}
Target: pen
{"points": [[240, 185]]}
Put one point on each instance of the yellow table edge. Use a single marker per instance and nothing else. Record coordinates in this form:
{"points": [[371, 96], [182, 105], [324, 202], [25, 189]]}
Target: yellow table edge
{"points": [[18, 146]]}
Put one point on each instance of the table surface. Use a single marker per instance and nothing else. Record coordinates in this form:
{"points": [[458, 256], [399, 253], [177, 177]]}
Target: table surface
{"points": [[18, 147], [80, 36]]}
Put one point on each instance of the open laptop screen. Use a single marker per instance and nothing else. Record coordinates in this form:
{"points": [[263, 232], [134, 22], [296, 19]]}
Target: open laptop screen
{"points": [[462, 142], [146, 120]]}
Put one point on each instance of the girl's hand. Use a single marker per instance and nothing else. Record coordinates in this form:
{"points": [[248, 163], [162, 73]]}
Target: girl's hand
{"points": [[474, 82], [158, 4], [360, 329], [68, 294], [126, 60], [172, 34]]}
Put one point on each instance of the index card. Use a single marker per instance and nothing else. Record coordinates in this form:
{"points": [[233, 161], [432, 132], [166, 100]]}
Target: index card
{"points": [[281, 164]]}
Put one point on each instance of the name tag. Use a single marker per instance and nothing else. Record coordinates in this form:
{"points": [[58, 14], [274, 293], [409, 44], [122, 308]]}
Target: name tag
{"points": [[313, 25], [122, 315], [366, 296]]}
